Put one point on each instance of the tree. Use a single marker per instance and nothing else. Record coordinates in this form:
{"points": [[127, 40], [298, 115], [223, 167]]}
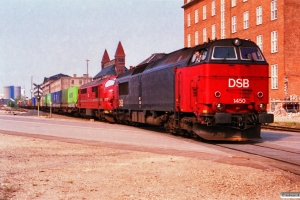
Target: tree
{"points": [[11, 103]]}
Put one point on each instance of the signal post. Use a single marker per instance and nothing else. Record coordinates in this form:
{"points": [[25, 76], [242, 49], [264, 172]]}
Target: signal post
{"points": [[38, 93]]}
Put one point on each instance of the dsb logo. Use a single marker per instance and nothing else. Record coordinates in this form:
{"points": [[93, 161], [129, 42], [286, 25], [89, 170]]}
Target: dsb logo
{"points": [[240, 83]]}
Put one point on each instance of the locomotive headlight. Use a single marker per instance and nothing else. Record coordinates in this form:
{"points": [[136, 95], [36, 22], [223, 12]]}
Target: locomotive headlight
{"points": [[237, 42], [260, 95], [220, 106], [261, 107]]}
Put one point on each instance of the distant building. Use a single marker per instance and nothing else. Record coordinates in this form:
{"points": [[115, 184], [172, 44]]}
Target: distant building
{"points": [[11, 92], [61, 81], [112, 67], [272, 24]]}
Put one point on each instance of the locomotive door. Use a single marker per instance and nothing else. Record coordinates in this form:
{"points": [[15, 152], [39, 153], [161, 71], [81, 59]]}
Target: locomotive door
{"points": [[194, 85], [140, 91], [178, 89]]}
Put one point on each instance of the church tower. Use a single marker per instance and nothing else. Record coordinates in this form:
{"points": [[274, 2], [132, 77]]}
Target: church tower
{"points": [[119, 59], [105, 59]]}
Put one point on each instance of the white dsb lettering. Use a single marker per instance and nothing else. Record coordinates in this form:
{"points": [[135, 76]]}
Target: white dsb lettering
{"points": [[240, 83]]}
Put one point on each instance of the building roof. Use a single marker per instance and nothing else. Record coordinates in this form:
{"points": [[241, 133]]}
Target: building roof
{"points": [[120, 50], [55, 77], [189, 3], [110, 70]]}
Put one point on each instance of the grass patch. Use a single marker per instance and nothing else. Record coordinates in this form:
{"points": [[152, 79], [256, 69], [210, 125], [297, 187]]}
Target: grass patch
{"points": [[7, 190], [286, 124]]}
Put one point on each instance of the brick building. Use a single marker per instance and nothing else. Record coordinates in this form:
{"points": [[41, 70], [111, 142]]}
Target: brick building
{"points": [[112, 67], [61, 81], [272, 24]]}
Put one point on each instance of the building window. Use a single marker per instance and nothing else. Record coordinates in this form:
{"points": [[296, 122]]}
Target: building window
{"points": [[258, 15], [246, 20], [233, 3], [196, 38], [213, 31], [259, 42], [274, 76], [80, 82], [204, 35], [222, 19], [72, 81], [189, 20], [196, 16], [233, 24], [204, 12], [274, 42], [189, 40], [213, 8], [274, 10]]}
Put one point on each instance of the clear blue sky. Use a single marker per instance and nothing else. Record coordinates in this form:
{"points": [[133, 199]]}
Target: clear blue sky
{"points": [[41, 38]]}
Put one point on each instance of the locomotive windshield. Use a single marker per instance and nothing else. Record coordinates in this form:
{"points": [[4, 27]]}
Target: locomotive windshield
{"points": [[251, 53], [110, 82], [220, 53]]}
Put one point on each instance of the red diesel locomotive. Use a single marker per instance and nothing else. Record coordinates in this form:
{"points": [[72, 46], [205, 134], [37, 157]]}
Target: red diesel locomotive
{"points": [[96, 97], [221, 95]]}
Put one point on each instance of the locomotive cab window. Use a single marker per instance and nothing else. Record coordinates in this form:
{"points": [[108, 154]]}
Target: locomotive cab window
{"points": [[224, 53], [251, 53], [199, 56]]}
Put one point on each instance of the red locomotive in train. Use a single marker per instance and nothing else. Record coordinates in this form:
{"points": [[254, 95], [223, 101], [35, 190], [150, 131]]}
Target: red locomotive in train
{"points": [[223, 96], [215, 91], [96, 98]]}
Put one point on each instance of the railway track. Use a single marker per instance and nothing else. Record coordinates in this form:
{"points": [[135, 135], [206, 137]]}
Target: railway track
{"points": [[285, 158], [281, 128]]}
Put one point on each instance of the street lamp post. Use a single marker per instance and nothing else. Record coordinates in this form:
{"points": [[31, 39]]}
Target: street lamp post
{"points": [[87, 67], [31, 91]]}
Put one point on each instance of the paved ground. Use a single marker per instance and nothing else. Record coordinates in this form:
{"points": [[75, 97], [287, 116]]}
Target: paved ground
{"points": [[51, 168]]}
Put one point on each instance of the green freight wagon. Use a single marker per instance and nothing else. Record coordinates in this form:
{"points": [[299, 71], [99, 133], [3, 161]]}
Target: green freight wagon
{"points": [[73, 95], [48, 99], [69, 99]]}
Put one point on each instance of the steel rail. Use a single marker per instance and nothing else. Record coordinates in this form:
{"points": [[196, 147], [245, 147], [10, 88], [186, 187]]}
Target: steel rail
{"points": [[281, 128], [286, 160]]}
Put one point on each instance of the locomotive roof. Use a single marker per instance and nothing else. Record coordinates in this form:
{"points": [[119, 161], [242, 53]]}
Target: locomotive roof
{"points": [[181, 57], [226, 42], [152, 58], [93, 83]]}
